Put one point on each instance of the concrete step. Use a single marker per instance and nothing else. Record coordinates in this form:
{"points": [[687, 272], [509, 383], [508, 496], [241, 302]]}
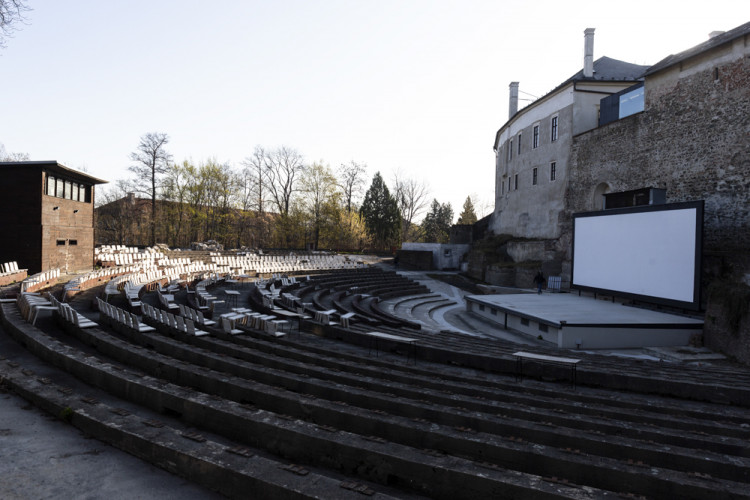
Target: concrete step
{"points": [[376, 459], [590, 471], [233, 470]]}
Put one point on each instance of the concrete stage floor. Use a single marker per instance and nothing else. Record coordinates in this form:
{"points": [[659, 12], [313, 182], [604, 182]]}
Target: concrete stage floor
{"points": [[572, 321]]}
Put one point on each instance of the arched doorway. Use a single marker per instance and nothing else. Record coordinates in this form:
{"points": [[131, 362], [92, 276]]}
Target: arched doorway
{"points": [[597, 200]]}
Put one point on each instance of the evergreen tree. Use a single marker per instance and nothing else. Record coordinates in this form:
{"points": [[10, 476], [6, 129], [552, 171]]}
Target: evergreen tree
{"points": [[380, 212], [437, 223], [468, 215]]}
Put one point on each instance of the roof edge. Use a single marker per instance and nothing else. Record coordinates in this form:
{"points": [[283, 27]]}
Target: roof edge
{"points": [[711, 43], [56, 166]]}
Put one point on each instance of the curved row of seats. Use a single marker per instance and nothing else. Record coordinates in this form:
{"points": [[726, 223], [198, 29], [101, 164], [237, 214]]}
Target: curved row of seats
{"points": [[461, 435], [433, 429], [39, 281], [358, 292], [176, 322]]}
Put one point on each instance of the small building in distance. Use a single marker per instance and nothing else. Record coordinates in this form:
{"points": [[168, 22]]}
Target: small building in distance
{"points": [[46, 216]]}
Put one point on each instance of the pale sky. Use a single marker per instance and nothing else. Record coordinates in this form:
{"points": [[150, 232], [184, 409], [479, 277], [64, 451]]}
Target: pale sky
{"points": [[412, 85]]}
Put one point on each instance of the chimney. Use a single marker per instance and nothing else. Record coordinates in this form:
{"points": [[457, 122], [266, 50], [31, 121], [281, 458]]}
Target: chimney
{"points": [[588, 53], [513, 103]]}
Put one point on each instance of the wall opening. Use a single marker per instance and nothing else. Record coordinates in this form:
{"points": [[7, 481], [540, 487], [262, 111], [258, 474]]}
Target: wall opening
{"points": [[597, 201]]}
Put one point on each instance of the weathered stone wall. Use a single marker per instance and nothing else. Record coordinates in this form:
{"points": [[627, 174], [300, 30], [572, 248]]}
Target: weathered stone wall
{"points": [[507, 261], [727, 326], [693, 139]]}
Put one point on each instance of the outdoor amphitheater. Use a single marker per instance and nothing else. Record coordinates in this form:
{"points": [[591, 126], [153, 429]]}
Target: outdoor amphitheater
{"points": [[317, 375]]}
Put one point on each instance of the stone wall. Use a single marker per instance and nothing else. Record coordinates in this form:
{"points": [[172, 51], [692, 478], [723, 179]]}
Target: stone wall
{"points": [[697, 149], [693, 139], [727, 326], [507, 261]]}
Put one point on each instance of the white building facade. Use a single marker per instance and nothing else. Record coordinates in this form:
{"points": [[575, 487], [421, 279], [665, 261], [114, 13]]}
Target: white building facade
{"points": [[532, 149]]}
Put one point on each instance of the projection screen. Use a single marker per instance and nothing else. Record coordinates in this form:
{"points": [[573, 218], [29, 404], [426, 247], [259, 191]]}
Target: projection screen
{"points": [[650, 253]]}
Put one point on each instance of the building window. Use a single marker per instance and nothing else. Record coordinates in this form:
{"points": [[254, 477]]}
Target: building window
{"points": [[553, 171], [534, 176], [481, 307], [61, 243], [70, 190], [493, 311], [502, 187], [525, 321], [72, 242], [515, 181], [535, 137], [543, 328], [509, 185], [553, 136], [519, 143], [510, 150], [631, 102]]}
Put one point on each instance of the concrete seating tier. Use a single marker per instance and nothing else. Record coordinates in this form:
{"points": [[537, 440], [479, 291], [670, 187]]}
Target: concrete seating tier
{"points": [[10, 273], [367, 306], [419, 308], [597, 440], [434, 304], [656, 377], [458, 435], [39, 281], [93, 279], [233, 470], [328, 290]]}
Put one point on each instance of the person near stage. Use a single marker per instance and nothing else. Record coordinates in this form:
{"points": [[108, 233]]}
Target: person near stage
{"points": [[539, 280]]}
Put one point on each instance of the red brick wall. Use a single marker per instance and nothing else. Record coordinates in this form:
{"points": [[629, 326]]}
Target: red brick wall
{"points": [[63, 225]]}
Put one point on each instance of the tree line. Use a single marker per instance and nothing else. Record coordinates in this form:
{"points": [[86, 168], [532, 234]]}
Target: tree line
{"points": [[273, 200]]}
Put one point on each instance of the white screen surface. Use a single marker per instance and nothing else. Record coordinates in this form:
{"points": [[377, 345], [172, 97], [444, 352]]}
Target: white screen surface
{"points": [[643, 253]]}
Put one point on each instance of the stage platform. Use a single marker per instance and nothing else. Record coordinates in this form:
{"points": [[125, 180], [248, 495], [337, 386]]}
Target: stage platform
{"points": [[570, 321]]}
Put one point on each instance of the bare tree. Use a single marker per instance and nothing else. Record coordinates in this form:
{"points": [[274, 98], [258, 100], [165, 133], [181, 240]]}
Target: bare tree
{"points": [[151, 160], [6, 156], [411, 196], [319, 186], [283, 167], [482, 207], [117, 215], [255, 180], [175, 189], [11, 13], [352, 180]]}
